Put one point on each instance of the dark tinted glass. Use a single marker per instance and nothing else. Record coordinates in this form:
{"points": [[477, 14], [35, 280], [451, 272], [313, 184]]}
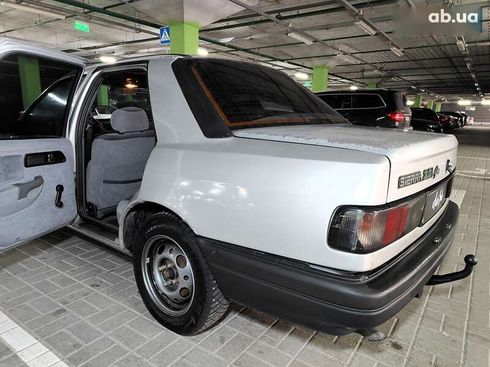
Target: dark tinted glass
{"points": [[367, 101], [424, 113], [34, 96], [334, 100], [248, 95]]}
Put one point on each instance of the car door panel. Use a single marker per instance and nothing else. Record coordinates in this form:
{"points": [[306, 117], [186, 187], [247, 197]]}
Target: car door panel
{"points": [[28, 194], [37, 171]]}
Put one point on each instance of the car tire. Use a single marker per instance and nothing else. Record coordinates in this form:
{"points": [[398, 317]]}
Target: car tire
{"points": [[173, 277]]}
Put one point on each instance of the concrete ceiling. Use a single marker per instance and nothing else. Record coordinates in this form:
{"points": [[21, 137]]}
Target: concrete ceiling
{"points": [[258, 31]]}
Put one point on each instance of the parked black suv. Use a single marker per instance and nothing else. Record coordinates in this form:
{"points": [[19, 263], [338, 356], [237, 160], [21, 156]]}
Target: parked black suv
{"points": [[426, 120], [371, 107]]}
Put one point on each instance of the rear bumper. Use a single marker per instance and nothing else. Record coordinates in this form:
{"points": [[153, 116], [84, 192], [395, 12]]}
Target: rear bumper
{"points": [[332, 303]]}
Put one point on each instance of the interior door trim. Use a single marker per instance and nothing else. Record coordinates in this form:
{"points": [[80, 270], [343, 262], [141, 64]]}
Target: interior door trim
{"points": [[44, 159]]}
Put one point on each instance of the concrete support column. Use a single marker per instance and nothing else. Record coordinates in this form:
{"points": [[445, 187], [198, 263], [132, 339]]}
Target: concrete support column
{"points": [[430, 104], [437, 106], [184, 38], [417, 100], [320, 78], [30, 79], [103, 95]]}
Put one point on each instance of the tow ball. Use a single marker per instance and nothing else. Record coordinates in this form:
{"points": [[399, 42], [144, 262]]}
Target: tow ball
{"points": [[470, 261]]}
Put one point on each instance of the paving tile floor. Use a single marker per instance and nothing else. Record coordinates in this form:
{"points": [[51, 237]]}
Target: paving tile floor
{"points": [[80, 301]]}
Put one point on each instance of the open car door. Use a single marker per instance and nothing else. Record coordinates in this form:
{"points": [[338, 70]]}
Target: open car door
{"points": [[37, 183]]}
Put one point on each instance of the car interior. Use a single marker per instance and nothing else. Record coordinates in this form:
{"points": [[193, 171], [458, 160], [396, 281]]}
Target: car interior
{"points": [[119, 138]]}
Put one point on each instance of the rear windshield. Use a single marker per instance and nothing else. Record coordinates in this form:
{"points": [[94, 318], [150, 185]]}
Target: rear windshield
{"points": [[248, 95]]}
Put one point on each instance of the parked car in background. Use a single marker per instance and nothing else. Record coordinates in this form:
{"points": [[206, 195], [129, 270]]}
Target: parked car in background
{"points": [[425, 119], [461, 118], [371, 107], [448, 122]]}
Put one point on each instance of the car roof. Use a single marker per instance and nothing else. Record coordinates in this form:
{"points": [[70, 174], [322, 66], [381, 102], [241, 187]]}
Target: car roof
{"points": [[362, 91], [15, 45]]}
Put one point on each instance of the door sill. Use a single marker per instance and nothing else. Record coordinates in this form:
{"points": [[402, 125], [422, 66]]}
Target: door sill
{"points": [[107, 237]]}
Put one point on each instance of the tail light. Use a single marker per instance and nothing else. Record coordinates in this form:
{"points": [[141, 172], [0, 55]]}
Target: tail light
{"points": [[364, 230], [396, 116]]}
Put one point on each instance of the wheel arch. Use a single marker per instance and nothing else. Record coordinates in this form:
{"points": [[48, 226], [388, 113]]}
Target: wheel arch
{"points": [[135, 216]]}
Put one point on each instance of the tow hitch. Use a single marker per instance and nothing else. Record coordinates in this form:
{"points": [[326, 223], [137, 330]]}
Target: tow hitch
{"points": [[470, 261]]}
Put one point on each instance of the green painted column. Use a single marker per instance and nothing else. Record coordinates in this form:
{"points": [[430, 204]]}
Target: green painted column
{"points": [[320, 78], [184, 38], [430, 104], [103, 95], [437, 106], [30, 79], [372, 84], [417, 100]]}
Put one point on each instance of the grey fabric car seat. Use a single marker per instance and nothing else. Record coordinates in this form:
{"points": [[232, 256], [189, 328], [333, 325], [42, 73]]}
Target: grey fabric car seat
{"points": [[118, 160]]}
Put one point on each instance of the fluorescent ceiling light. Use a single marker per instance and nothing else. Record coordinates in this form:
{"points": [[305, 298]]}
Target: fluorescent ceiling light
{"points": [[365, 27], [202, 51], [464, 102], [410, 103], [301, 76], [29, 9], [299, 37], [397, 51], [148, 50], [349, 58], [353, 87], [461, 43], [284, 64], [226, 39], [107, 59]]}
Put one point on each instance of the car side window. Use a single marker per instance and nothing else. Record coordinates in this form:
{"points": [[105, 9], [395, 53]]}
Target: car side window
{"points": [[333, 100], [34, 96], [346, 101], [367, 101]]}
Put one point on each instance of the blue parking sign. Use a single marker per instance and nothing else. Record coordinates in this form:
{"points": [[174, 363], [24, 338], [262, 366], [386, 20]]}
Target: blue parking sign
{"points": [[165, 36]]}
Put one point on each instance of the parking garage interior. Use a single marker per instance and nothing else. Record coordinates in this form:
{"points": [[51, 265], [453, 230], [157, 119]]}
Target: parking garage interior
{"points": [[67, 299]]}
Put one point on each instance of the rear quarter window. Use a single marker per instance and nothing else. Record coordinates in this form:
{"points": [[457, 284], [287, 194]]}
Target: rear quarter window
{"points": [[367, 101]]}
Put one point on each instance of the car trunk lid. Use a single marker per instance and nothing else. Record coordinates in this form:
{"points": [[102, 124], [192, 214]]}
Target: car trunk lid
{"points": [[418, 160]]}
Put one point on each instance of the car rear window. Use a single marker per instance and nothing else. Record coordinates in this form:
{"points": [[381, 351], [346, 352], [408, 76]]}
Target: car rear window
{"points": [[250, 95]]}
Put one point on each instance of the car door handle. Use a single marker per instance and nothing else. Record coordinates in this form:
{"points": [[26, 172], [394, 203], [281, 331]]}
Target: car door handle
{"points": [[26, 187]]}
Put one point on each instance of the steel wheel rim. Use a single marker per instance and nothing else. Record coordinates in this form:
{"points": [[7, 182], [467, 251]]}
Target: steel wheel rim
{"points": [[168, 275]]}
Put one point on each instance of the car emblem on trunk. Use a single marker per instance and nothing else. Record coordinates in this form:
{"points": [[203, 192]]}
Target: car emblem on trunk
{"points": [[416, 177]]}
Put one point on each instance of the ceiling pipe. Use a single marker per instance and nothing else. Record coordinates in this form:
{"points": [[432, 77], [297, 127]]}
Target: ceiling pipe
{"points": [[357, 14], [108, 12], [71, 14], [338, 51], [336, 9], [129, 18]]}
